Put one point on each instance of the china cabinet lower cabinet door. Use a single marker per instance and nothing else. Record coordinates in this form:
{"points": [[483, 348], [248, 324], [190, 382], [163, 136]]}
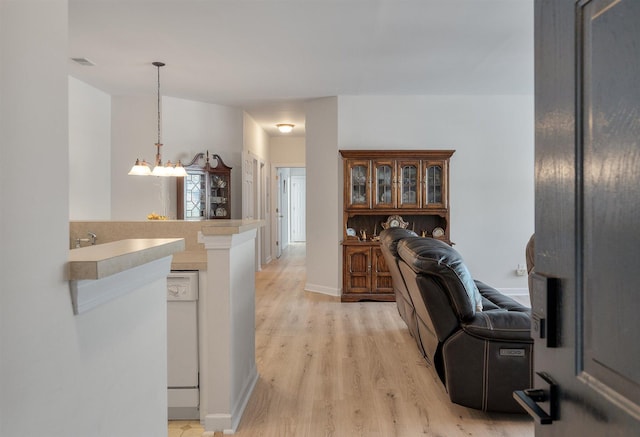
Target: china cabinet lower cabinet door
{"points": [[357, 271], [365, 275], [380, 274]]}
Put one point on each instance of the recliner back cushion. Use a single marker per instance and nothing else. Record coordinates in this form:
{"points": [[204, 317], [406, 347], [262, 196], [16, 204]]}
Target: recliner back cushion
{"points": [[433, 257]]}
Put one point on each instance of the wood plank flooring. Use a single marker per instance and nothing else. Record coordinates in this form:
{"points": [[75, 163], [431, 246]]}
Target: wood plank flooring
{"points": [[347, 369]]}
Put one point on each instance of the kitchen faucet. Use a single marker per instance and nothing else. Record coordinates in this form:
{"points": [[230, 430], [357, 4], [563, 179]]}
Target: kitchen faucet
{"points": [[92, 239]]}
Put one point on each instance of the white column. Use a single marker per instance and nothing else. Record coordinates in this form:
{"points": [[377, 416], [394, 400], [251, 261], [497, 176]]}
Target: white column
{"points": [[228, 370]]}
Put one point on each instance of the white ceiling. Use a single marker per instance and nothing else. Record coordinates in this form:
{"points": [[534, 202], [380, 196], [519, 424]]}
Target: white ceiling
{"points": [[270, 56]]}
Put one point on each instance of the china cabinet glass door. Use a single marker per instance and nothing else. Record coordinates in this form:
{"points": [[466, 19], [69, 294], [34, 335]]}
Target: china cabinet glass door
{"points": [[360, 196], [219, 198], [435, 194], [195, 193], [409, 196], [385, 179]]}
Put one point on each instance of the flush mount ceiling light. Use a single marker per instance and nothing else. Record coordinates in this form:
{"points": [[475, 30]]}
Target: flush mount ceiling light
{"points": [[285, 128], [142, 168]]}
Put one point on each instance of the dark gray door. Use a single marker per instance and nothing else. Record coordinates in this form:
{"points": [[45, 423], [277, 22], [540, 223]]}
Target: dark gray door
{"points": [[586, 301]]}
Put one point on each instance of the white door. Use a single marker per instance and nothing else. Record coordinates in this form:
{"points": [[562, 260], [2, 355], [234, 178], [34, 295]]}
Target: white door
{"points": [[298, 217], [278, 212]]}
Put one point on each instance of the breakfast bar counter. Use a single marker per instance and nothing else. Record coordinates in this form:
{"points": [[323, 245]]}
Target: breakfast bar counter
{"points": [[102, 260], [99, 274]]}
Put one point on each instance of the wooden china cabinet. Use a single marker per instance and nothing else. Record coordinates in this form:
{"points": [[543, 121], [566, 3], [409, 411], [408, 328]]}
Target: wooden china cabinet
{"points": [[386, 188], [205, 193]]}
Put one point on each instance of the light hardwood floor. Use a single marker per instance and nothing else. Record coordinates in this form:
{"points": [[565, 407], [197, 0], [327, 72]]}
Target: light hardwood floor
{"points": [[346, 369]]}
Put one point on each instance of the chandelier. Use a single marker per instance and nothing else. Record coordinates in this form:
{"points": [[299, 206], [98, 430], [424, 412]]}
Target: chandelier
{"points": [[141, 168]]}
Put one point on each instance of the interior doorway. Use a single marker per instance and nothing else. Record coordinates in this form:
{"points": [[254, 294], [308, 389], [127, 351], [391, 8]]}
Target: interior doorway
{"points": [[290, 208]]}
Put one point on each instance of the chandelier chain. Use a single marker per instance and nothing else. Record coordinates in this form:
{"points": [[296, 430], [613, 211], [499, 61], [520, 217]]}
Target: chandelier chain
{"points": [[159, 112]]}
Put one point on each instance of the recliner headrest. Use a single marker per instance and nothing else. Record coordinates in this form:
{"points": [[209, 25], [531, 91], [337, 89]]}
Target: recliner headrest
{"points": [[390, 238], [436, 258]]}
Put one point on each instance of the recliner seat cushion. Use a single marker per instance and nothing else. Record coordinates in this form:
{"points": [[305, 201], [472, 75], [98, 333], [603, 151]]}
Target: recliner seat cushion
{"points": [[437, 258]]}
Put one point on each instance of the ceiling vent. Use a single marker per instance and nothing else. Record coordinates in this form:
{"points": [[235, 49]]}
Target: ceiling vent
{"points": [[83, 61]]}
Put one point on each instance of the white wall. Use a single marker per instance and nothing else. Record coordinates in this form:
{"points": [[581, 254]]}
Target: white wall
{"points": [[89, 152], [188, 127], [492, 198], [133, 135], [256, 140], [60, 374], [324, 197], [287, 151]]}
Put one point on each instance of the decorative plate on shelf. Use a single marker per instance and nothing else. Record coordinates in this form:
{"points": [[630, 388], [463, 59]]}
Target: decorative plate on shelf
{"points": [[437, 232], [395, 221], [351, 232]]}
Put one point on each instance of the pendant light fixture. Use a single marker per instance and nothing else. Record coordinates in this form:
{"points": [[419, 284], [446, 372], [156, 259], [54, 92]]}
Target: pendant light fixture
{"points": [[142, 168]]}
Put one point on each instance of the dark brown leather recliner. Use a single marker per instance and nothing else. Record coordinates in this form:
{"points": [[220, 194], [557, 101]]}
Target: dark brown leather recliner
{"points": [[477, 338]]}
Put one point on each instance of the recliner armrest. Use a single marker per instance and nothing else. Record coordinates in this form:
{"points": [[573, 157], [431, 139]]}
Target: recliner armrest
{"points": [[500, 325]]}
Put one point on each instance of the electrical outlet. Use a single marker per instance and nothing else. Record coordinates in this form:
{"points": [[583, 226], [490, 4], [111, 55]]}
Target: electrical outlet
{"points": [[521, 270]]}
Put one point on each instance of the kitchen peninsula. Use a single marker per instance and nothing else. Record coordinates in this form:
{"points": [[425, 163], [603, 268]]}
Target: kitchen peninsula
{"points": [[223, 252]]}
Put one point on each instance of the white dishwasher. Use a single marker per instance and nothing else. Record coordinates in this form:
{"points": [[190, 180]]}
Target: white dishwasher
{"points": [[182, 345]]}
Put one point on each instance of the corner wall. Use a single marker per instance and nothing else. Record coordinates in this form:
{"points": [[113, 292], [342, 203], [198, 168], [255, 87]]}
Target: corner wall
{"points": [[324, 197], [60, 374]]}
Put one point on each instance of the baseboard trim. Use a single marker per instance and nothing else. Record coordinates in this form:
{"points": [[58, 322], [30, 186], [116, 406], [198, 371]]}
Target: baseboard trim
{"points": [[322, 289], [514, 291], [520, 295], [217, 423], [243, 400], [228, 423]]}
